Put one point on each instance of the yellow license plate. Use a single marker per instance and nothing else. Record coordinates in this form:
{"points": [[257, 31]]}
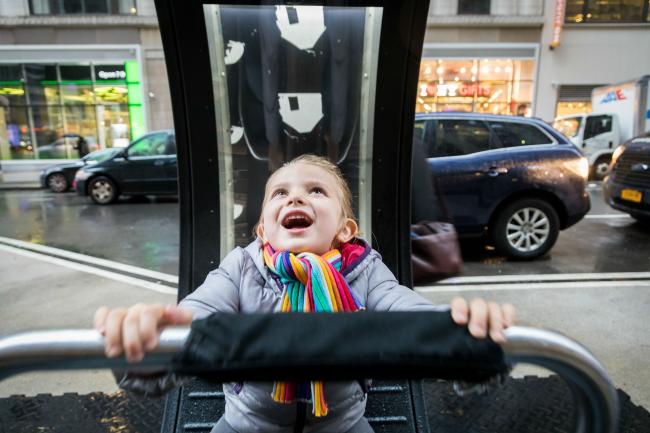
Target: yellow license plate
{"points": [[631, 195]]}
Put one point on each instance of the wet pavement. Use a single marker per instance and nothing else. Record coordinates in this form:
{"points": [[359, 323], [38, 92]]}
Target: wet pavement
{"points": [[139, 231], [144, 232]]}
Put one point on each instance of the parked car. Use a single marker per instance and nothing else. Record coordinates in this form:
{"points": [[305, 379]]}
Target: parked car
{"points": [[513, 179], [627, 188], [146, 167], [67, 146], [59, 177]]}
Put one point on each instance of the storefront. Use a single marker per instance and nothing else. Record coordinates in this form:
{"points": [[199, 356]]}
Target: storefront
{"points": [[485, 79], [61, 109]]}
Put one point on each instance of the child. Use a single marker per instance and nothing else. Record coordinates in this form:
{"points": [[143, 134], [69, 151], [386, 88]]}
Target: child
{"points": [[306, 224]]}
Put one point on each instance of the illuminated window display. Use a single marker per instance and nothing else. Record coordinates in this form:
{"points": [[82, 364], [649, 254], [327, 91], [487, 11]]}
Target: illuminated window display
{"points": [[44, 108], [495, 86]]}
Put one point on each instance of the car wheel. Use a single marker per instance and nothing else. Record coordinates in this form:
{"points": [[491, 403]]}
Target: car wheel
{"points": [[102, 190], [57, 182], [526, 229], [600, 168]]}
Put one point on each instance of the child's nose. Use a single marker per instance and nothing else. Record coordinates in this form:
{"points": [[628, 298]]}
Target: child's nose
{"points": [[296, 197]]}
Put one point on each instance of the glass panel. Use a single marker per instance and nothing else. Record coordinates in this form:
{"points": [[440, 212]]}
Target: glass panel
{"points": [[113, 125], [48, 128], [149, 145], [569, 127], [567, 108], [111, 94], [461, 137], [72, 6], [40, 7], [72, 93], [96, 6], [12, 95], [10, 73], [517, 134], [574, 11], [75, 73], [15, 141], [80, 120], [615, 11], [293, 85], [498, 86], [474, 7]]}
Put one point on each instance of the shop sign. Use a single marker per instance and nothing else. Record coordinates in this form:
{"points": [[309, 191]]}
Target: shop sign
{"points": [[116, 72], [613, 96], [456, 89]]}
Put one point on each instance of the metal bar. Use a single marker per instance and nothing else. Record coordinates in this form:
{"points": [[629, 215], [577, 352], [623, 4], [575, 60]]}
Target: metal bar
{"points": [[595, 395]]}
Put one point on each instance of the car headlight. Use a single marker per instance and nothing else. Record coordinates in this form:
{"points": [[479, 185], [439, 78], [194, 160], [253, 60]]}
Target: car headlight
{"points": [[579, 167], [81, 175]]}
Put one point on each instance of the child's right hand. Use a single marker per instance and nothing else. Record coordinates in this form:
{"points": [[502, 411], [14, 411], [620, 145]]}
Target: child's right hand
{"points": [[135, 330]]}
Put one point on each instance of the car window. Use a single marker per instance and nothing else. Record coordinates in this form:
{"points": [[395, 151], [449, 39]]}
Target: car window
{"points": [[597, 125], [569, 126], [151, 145], [460, 137], [513, 134]]}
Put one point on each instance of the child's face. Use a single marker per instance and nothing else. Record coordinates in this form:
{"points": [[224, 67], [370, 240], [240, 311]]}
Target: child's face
{"points": [[303, 211]]}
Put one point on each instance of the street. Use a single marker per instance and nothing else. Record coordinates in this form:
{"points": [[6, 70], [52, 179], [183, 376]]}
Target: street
{"points": [[61, 257]]}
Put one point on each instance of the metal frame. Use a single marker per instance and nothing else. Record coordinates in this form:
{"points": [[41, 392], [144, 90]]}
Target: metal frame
{"points": [[595, 396]]}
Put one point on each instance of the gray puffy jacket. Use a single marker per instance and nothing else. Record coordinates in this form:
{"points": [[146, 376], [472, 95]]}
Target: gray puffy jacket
{"points": [[243, 284]]}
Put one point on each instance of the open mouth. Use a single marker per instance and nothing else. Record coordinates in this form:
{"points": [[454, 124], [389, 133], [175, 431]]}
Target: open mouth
{"points": [[296, 220]]}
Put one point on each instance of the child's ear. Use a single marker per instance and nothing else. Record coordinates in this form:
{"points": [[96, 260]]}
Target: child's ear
{"points": [[348, 231], [259, 230]]}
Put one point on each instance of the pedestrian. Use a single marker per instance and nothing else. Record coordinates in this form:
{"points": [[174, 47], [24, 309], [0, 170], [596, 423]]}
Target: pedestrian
{"points": [[82, 146], [306, 230]]}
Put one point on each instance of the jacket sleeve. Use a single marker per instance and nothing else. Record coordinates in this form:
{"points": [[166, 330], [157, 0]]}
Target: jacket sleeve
{"points": [[219, 293], [386, 294]]}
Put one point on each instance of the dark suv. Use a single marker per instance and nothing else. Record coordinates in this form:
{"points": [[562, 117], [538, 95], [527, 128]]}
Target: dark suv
{"points": [[627, 188], [146, 167], [514, 179]]}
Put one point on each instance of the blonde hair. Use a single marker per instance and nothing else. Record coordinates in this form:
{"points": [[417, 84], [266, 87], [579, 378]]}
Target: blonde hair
{"points": [[345, 196]]}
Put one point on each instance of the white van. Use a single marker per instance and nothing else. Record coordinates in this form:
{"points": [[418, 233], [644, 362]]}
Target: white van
{"points": [[619, 112]]}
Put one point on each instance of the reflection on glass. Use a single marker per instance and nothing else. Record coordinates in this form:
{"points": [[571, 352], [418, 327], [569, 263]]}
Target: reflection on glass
{"points": [[567, 108], [15, 142], [112, 94], [48, 127], [293, 84], [77, 93], [580, 11], [498, 86]]}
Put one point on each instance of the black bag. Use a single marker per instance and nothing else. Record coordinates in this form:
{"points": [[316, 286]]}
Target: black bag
{"points": [[435, 253]]}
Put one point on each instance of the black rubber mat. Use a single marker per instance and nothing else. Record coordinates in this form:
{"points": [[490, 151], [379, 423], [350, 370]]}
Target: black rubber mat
{"points": [[529, 405]]}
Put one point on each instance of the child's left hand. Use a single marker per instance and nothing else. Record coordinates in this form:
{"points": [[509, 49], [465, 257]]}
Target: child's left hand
{"points": [[483, 317]]}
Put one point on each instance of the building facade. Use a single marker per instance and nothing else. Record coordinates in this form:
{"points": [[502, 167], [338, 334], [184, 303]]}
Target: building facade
{"points": [[84, 68], [495, 56], [95, 68]]}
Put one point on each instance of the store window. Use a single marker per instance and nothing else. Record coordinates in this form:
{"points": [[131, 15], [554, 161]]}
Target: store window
{"points": [[473, 7], [91, 7], [607, 11], [45, 108], [495, 86]]}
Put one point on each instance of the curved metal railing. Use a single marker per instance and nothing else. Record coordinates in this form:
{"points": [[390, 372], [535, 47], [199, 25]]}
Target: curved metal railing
{"points": [[596, 400]]}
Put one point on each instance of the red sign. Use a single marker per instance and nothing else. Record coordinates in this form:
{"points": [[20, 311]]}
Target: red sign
{"points": [[457, 89]]}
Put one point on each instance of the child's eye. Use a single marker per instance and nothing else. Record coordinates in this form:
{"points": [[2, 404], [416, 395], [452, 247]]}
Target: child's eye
{"points": [[317, 190], [279, 192]]}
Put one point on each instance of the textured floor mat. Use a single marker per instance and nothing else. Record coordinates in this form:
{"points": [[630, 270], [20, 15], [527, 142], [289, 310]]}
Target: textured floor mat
{"points": [[528, 405]]}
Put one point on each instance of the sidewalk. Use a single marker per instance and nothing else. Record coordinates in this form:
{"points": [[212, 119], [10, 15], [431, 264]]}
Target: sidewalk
{"points": [[38, 294], [16, 175]]}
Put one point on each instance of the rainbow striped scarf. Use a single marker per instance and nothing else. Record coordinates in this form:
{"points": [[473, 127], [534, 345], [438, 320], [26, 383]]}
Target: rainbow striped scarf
{"points": [[312, 284]]}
